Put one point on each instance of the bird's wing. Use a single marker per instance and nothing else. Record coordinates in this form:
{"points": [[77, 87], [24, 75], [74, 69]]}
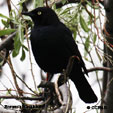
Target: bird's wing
{"points": [[72, 46]]}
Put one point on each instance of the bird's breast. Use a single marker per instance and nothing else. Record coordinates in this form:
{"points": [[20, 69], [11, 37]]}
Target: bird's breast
{"points": [[49, 50], [50, 55]]}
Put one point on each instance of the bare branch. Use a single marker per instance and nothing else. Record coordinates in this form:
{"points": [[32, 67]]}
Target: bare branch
{"points": [[59, 3], [100, 69], [20, 91], [58, 92], [22, 97], [10, 13]]}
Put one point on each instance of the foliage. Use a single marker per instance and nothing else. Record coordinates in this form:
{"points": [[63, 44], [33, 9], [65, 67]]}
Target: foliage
{"points": [[79, 18], [17, 20], [84, 22]]}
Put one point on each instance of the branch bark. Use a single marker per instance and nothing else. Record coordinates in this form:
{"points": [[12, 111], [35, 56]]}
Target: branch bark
{"points": [[108, 31]]}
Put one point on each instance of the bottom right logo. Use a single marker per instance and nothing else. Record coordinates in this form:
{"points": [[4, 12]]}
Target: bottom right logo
{"points": [[96, 107]]}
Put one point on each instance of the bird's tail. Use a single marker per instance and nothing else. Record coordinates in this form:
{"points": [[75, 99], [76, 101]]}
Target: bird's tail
{"points": [[84, 89]]}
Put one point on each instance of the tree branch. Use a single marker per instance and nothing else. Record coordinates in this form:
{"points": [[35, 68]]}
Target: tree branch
{"points": [[59, 3], [22, 97], [7, 42], [100, 69]]}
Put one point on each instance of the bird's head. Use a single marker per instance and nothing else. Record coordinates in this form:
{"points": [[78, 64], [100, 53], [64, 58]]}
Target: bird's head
{"points": [[42, 16]]}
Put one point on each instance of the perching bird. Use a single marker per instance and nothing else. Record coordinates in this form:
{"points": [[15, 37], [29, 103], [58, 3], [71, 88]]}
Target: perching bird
{"points": [[52, 45]]}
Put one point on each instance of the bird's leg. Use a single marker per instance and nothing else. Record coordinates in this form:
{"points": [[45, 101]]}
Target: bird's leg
{"points": [[49, 76], [46, 90]]}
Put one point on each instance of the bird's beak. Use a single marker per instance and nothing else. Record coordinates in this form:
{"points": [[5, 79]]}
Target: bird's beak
{"points": [[27, 13]]}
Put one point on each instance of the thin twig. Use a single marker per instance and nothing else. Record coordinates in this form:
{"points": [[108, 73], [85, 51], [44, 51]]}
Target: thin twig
{"points": [[9, 81], [100, 69], [10, 13], [14, 90], [25, 84], [21, 97], [30, 59], [14, 77], [46, 3], [8, 90]]}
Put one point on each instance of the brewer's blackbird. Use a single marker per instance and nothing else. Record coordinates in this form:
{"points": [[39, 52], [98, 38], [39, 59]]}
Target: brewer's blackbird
{"points": [[52, 45]]}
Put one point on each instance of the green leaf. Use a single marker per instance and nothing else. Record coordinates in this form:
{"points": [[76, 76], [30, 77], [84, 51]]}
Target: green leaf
{"points": [[17, 45], [38, 3], [14, 54], [6, 31], [21, 2], [94, 38], [16, 50], [83, 24], [23, 55], [64, 11], [21, 33], [18, 42], [64, 1], [1, 100], [5, 23], [25, 47], [75, 34], [87, 43], [98, 55], [8, 92], [3, 16], [20, 5]]}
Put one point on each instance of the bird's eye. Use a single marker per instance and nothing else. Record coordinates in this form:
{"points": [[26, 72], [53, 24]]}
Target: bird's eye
{"points": [[39, 12]]}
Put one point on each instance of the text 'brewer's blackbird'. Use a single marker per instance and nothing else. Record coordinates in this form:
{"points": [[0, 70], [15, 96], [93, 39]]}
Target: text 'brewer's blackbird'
{"points": [[52, 45]]}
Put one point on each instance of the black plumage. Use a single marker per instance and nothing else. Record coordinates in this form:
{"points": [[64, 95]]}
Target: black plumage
{"points": [[52, 45]]}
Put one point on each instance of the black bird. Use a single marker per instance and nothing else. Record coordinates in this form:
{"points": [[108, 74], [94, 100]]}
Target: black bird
{"points": [[52, 45]]}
